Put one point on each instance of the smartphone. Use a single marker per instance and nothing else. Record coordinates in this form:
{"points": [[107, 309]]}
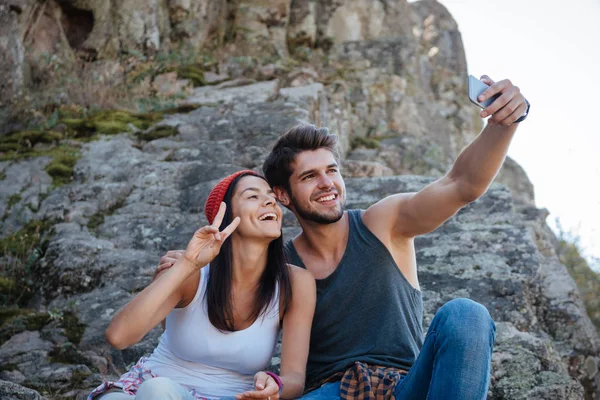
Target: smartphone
{"points": [[476, 87]]}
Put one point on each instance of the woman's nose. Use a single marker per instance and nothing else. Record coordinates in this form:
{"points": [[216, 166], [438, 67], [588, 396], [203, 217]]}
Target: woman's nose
{"points": [[269, 201]]}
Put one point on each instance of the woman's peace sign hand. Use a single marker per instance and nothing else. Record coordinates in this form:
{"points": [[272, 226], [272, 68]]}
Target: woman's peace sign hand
{"points": [[207, 241]]}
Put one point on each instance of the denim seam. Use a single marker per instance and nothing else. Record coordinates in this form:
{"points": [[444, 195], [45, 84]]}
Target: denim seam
{"points": [[492, 338], [433, 367], [409, 377]]}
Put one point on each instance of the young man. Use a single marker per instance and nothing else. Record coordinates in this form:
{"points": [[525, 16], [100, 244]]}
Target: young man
{"points": [[367, 338], [369, 306]]}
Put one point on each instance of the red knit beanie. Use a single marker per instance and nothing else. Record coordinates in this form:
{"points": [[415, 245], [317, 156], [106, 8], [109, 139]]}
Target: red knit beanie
{"points": [[217, 194]]}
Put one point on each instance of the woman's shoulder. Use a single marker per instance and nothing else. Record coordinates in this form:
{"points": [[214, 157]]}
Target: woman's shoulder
{"points": [[301, 276], [296, 270]]}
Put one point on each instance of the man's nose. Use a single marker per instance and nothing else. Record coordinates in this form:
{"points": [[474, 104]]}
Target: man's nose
{"points": [[325, 181]]}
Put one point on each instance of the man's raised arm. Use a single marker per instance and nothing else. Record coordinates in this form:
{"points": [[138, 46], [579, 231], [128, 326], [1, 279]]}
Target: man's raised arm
{"points": [[412, 214]]}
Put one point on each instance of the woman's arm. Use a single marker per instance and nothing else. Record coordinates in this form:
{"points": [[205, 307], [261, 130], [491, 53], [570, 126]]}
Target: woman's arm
{"points": [[150, 306], [297, 323], [295, 340], [155, 302]]}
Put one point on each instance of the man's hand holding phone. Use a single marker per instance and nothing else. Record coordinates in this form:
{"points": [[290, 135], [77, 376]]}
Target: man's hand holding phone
{"points": [[508, 104]]}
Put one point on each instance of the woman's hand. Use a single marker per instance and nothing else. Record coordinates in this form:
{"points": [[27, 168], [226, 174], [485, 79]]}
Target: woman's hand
{"points": [[265, 388], [207, 241]]}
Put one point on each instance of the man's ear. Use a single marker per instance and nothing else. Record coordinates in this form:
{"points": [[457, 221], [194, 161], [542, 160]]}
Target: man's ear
{"points": [[282, 195]]}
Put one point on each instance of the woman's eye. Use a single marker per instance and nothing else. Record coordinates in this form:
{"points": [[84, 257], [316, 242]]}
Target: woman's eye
{"points": [[253, 197]]}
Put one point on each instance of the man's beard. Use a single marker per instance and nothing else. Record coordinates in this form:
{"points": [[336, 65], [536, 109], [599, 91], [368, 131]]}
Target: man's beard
{"points": [[315, 216]]}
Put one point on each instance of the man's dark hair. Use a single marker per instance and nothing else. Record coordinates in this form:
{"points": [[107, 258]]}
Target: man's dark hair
{"points": [[277, 167]]}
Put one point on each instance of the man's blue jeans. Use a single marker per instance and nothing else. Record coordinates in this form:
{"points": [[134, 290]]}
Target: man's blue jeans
{"points": [[454, 362]]}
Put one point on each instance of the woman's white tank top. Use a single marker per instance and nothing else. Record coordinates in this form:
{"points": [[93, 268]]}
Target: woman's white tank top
{"points": [[195, 354]]}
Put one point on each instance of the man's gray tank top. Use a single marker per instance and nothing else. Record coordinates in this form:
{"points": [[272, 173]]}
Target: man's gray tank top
{"points": [[366, 309]]}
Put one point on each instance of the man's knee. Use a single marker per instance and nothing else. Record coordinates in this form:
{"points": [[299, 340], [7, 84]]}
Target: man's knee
{"points": [[467, 314]]}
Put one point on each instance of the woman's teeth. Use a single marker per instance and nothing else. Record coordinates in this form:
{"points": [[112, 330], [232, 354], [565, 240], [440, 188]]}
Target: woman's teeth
{"points": [[269, 216]]}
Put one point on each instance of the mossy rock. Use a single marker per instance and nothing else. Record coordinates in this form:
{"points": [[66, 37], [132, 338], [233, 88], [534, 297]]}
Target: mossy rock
{"points": [[6, 285], [111, 123], [74, 123], [19, 145], [192, 72], [31, 137], [22, 320], [24, 248], [73, 328], [369, 143], [67, 353], [78, 379], [110, 127], [4, 147], [158, 133], [95, 221], [25, 140], [9, 367], [14, 199], [24, 239], [62, 166], [41, 136], [182, 109], [8, 313], [98, 218]]}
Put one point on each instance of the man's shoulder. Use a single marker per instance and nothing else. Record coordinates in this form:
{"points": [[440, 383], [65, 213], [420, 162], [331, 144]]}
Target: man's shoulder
{"points": [[291, 253], [355, 213]]}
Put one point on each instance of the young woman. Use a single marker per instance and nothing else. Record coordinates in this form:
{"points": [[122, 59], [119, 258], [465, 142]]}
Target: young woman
{"points": [[222, 318]]}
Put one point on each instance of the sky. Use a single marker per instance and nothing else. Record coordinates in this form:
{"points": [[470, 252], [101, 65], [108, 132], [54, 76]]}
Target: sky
{"points": [[551, 50]]}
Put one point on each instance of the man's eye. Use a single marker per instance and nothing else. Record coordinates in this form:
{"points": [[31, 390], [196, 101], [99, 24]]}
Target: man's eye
{"points": [[307, 177], [333, 170]]}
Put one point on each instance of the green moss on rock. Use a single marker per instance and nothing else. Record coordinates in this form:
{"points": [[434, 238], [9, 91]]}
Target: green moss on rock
{"points": [[95, 221], [111, 123], [98, 218], [28, 139], [110, 127], [22, 320], [81, 128], [182, 109], [192, 72], [73, 328], [67, 353], [9, 367], [7, 314], [14, 199], [62, 166], [22, 250], [25, 238], [4, 147], [78, 378], [158, 133], [369, 143]]}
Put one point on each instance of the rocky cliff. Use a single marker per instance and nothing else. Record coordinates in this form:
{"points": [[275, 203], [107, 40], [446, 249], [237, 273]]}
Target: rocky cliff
{"points": [[90, 200]]}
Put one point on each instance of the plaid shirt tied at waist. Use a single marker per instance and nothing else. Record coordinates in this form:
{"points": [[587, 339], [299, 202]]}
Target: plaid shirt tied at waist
{"points": [[366, 382]]}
